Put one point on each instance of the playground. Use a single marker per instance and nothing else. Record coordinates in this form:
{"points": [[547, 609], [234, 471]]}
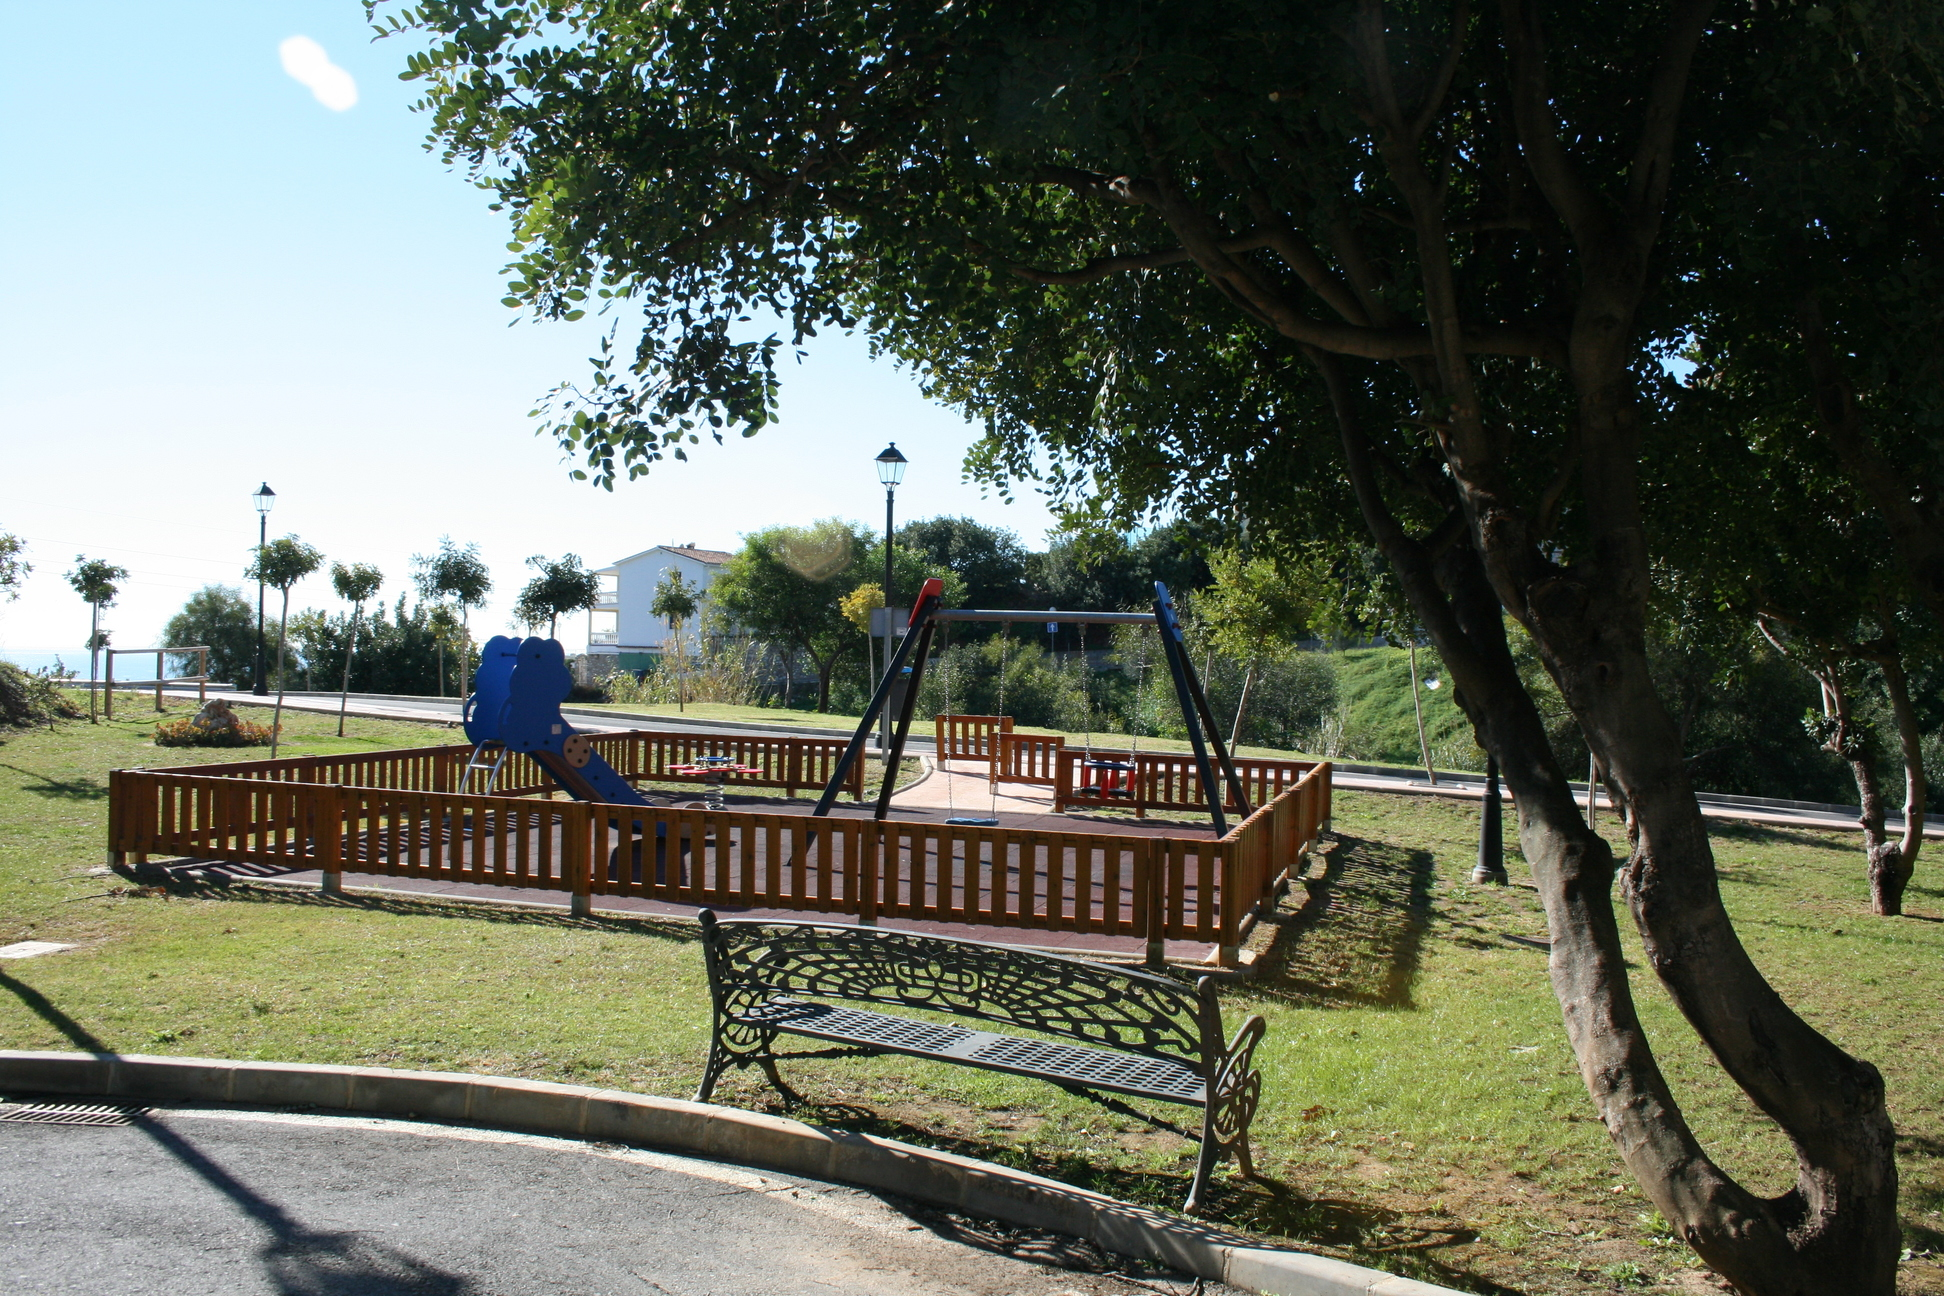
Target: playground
{"points": [[978, 848]]}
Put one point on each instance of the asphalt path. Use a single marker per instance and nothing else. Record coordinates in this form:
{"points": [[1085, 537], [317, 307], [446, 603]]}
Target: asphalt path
{"points": [[222, 1201]]}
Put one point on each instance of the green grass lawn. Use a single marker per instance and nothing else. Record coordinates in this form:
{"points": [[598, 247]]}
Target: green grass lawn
{"points": [[1422, 1110]]}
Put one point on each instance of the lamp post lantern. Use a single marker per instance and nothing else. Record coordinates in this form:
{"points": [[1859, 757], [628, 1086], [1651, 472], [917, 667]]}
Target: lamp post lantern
{"points": [[264, 499], [891, 470]]}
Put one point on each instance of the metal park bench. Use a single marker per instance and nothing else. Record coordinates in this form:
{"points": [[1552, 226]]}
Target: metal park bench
{"points": [[1133, 1033]]}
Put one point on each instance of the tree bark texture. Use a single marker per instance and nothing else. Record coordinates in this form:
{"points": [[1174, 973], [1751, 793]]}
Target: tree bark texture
{"points": [[1886, 895], [1242, 704], [344, 693]]}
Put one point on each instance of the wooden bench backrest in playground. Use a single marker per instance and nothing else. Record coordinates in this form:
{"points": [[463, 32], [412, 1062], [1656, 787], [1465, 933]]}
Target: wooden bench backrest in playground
{"points": [[969, 737], [1027, 758], [1114, 1030]]}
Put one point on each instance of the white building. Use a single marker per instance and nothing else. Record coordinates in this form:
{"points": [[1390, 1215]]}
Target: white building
{"points": [[621, 624]]}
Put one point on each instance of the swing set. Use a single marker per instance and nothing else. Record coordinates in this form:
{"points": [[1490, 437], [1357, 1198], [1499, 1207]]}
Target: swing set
{"points": [[990, 736]]}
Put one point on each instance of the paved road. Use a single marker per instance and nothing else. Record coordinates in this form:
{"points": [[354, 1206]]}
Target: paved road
{"points": [[1464, 788], [219, 1201]]}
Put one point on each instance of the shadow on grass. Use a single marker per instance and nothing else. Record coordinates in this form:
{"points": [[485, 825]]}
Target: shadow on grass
{"points": [[1358, 937], [297, 1259], [241, 892], [1772, 834], [55, 789], [1266, 1207]]}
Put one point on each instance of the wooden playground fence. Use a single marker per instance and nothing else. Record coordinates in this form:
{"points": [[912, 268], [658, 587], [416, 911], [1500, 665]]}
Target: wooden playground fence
{"points": [[1170, 781], [639, 755], [969, 737], [1027, 758], [1157, 888]]}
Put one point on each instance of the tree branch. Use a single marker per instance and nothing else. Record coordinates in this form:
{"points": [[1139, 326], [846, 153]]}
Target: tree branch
{"points": [[1101, 267], [1441, 85], [1654, 157], [1538, 129]]}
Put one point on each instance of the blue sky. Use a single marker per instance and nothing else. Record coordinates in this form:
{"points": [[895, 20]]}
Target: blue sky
{"points": [[213, 279]]}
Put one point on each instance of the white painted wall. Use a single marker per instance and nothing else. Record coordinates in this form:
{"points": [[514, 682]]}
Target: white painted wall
{"points": [[635, 580]]}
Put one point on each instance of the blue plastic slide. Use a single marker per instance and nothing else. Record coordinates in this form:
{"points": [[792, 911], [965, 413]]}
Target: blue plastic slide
{"points": [[516, 702]]}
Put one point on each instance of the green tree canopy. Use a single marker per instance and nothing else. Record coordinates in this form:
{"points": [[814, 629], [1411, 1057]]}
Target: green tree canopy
{"points": [[357, 583], [564, 585], [220, 617], [675, 599], [787, 584], [96, 580], [453, 573], [990, 561], [14, 567], [283, 562]]}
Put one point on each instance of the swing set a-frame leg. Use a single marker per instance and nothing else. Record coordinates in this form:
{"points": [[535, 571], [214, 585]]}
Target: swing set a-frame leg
{"points": [[1195, 714]]}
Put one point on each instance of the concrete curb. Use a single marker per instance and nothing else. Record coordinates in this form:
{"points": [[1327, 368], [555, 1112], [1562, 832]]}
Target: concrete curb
{"points": [[715, 1133]]}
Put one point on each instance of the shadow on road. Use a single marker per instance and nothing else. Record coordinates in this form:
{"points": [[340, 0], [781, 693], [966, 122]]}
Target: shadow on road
{"points": [[297, 1259]]}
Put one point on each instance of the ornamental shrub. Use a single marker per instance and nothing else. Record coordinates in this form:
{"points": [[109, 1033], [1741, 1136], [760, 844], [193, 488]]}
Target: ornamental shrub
{"points": [[185, 732], [30, 699]]}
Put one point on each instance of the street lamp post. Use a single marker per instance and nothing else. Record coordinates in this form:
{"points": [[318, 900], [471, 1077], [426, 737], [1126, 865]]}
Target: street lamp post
{"points": [[264, 498], [1491, 846], [890, 470]]}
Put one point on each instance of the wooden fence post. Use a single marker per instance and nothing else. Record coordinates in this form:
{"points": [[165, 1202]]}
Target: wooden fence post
{"points": [[866, 868], [577, 830], [118, 782], [1231, 869], [327, 835], [1151, 913]]}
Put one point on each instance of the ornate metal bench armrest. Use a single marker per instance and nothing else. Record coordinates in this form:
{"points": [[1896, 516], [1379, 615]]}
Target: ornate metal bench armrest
{"points": [[1237, 1091]]}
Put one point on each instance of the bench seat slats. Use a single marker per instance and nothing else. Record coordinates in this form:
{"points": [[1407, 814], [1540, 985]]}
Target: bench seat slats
{"points": [[1136, 1076]]}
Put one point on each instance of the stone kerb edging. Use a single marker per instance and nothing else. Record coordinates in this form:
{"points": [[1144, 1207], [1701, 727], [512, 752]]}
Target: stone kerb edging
{"points": [[717, 1133]]}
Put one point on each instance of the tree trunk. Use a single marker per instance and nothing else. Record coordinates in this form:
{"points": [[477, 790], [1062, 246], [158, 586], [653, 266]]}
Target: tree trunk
{"points": [[276, 716], [1417, 706], [438, 665], [1855, 749], [1242, 705], [94, 656], [344, 693], [1836, 1229], [1886, 894], [824, 665]]}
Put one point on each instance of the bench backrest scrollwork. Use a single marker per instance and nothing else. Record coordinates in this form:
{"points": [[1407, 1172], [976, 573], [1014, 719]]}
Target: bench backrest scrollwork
{"points": [[1090, 1003]]}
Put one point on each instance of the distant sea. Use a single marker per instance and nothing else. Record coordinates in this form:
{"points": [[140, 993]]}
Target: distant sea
{"points": [[33, 659]]}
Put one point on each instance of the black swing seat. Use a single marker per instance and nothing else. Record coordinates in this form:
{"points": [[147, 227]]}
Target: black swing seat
{"points": [[1116, 1030]]}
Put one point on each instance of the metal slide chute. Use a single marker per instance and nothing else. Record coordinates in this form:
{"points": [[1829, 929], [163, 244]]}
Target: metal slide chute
{"points": [[516, 705]]}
